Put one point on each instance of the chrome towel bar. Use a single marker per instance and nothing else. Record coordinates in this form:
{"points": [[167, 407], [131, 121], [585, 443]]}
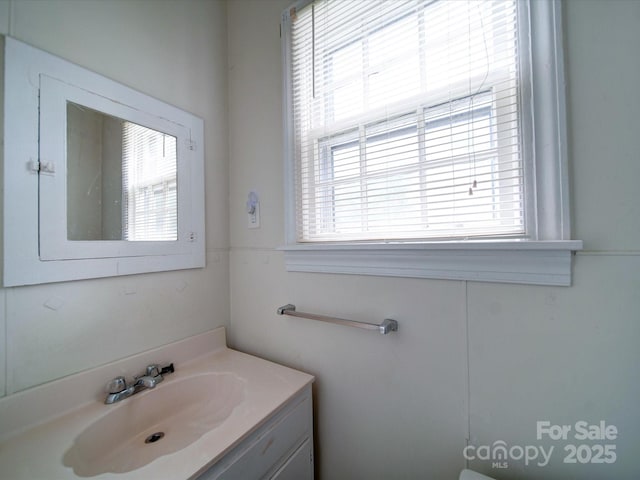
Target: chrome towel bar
{"points": [[387, 325]]}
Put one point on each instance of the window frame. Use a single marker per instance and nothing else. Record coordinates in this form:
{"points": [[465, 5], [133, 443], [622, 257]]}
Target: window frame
{"points": [[543, 259]]}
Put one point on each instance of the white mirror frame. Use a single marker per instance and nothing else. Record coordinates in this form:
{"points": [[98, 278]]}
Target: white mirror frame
{"points": [[36, 249]]}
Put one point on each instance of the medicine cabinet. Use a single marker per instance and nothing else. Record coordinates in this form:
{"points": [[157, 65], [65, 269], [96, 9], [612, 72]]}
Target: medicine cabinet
{"points": [[99, 179]]}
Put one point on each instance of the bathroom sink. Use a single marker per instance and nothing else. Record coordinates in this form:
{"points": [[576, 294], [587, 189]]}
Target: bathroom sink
{"points": [[156, 422]]}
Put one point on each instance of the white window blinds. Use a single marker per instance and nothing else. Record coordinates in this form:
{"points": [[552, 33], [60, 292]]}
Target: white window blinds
{"points": [[149, 184], [406, 120]]}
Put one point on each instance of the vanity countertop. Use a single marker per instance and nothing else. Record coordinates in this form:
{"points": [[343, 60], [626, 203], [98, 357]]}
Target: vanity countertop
{"points": [[36, 448]]}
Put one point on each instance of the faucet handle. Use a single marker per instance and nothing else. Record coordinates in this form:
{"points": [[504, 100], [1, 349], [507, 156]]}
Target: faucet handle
{"points": [[153, 370], [116, 385]]}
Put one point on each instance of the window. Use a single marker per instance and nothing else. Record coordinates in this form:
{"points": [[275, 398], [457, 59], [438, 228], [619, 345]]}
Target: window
{"points": [[424, 126]]}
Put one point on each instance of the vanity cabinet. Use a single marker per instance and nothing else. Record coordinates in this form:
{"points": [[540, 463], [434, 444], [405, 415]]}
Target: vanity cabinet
{"points": [[280, 449]]}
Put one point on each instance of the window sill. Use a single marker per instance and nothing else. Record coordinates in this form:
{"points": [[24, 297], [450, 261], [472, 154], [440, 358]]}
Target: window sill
{"points": [[523, 262]]}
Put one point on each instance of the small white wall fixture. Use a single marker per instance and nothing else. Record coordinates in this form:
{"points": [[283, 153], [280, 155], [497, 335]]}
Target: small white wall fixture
{"points": [[37, 87]]}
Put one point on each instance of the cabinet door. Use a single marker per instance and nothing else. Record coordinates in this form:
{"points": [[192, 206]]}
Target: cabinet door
{"points": [[299, 466]]}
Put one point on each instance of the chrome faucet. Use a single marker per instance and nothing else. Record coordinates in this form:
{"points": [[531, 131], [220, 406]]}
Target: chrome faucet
{"points": [[117, 389]]}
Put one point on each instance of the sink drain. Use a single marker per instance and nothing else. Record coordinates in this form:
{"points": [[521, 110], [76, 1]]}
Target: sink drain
{"points": [[154, 437]]}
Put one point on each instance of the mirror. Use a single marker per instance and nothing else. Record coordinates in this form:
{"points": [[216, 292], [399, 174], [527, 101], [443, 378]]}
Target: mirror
{"points": [[99, 179], [121, 179]]}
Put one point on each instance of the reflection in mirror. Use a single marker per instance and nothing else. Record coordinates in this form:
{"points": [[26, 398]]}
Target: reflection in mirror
{"points": [[121, 179]]}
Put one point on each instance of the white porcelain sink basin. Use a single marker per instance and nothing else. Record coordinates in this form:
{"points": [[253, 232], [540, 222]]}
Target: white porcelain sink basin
{"points": [[154, 423]]}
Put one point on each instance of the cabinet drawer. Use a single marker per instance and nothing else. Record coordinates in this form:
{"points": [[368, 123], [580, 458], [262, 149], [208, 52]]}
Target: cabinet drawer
{"points": [[267, 449], [297, 467]]}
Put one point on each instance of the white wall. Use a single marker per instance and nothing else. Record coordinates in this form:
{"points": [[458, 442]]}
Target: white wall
{"points": [[471, 359], [174, 51]]}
